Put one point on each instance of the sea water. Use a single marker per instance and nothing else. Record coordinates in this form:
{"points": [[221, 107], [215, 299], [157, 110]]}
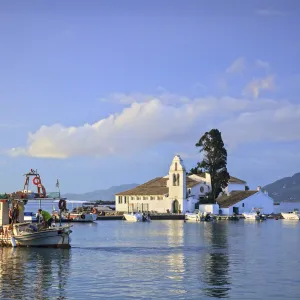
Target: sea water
{"points": [[160, 260]]}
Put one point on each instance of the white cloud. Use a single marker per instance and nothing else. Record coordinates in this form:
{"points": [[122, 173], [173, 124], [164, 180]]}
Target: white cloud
{"points": [[262, 64], [255, 87], [128, 99], [237, 66], [144, 125], [271, 12]]}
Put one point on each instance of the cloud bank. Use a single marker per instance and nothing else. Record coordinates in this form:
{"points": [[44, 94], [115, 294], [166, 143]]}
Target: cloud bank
{"points": [[153, 120]]}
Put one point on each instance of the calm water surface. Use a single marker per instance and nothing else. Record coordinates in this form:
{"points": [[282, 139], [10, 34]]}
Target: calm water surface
{"points": [[162, 259]]}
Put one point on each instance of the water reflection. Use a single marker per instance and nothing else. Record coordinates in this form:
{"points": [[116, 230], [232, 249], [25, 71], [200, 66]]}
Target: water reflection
{"points": [[175, 260], [34, 273], [216, 263], [290, 223]]}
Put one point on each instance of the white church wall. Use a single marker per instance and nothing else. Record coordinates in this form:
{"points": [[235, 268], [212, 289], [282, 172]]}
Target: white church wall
{"points": [[234, 187], [200, 189], [257, 200]]}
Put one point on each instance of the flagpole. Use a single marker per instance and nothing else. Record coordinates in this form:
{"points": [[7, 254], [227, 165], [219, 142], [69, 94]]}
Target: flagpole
{"points": [[60, 211]]}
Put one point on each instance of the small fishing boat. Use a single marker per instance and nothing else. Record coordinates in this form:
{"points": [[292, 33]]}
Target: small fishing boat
{"points": [[75, 215], [30, 235], [192, 217], [255, 214], [291, 215], [137, 217], [198, 217], [16, 232]]}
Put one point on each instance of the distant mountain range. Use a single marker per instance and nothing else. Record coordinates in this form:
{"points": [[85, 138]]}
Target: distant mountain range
{"points": [[286, 189], [106, 195]]}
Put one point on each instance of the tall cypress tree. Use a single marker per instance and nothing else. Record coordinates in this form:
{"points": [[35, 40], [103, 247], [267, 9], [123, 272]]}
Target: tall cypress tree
{"points": [[214, 162]]}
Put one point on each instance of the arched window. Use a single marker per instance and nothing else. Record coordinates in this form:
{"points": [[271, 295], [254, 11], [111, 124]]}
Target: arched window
{"points": [[177, 179], [176, 166], [174, 179]]}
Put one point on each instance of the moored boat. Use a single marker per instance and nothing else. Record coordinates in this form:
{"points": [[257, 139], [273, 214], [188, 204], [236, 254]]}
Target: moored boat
{"points": [[30, 235], [255, 214], [192, 217], [77, 217], [137, 217], [77, 214], [292, 215], [198, 216]]}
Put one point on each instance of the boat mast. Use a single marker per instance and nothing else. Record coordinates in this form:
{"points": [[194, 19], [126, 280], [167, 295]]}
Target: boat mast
{"points": [[57, 185]]}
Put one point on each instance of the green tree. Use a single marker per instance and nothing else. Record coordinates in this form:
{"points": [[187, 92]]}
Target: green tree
{"points": [[214, 162]]}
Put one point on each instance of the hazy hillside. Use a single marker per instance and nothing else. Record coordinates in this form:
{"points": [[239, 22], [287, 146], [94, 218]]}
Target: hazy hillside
{"points": [[285, 189], [107, 195]]}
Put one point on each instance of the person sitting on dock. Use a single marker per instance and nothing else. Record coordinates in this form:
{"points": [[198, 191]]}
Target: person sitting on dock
{"points": [[46, 217]]}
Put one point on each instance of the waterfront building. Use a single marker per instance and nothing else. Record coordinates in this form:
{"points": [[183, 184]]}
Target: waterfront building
{"points": [[178, 192]]}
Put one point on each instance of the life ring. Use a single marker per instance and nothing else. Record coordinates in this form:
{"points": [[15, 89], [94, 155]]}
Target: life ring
{"points": [[62, 204], [36, 180], [82, 216]]}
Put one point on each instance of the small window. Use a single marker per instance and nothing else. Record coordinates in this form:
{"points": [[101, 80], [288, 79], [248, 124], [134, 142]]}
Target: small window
{"points": [[243, 205], [177, 179], [138, 198], [201, 189], [159, 197], [152, 198], [132, 198], [174, 179], [125, 200], [145, 198], [176, 166], [120, 199]]}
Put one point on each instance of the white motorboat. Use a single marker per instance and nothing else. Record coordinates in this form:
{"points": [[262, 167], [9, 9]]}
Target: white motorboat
{"points": [[292, 215], [192, 217], [136, 217], [198, 216], [255, 214]]}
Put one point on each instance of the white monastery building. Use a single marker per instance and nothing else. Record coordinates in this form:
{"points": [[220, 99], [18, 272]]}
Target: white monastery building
{"points": [[178, 192]]}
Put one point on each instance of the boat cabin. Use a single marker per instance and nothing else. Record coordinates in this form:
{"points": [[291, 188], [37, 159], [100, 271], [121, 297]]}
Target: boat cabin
{"points": [[5, 205]]}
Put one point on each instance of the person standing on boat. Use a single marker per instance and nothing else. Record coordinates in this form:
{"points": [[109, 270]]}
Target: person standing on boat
{"points": [[47, 218], [13, 214], [10, 214]]}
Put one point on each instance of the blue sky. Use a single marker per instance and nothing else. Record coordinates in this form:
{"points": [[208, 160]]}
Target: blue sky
{"points": [[101, 93]]}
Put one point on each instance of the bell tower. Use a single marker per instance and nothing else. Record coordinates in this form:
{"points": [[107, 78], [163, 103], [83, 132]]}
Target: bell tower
{"points": [[177, 182]]}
